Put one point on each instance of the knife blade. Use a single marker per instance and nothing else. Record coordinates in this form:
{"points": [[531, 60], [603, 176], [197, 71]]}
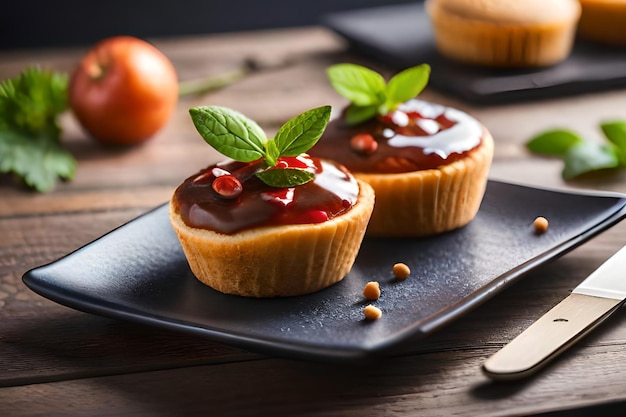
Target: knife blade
{"points": [[589, 304]]}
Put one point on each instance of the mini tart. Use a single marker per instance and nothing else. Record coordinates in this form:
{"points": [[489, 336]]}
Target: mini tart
{"points": [[504, 33], [276, 260], [603, 21], [432, 201], [427, 181]]}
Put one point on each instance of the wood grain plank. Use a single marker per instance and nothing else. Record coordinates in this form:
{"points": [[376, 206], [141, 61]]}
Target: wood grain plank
{"points": [[421, 385]]}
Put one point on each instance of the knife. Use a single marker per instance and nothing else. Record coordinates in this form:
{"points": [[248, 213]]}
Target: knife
{"points": [[589, 304]]}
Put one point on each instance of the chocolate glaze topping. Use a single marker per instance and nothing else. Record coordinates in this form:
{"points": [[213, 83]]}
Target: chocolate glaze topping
{"points": [[419, 135], [331, 193]]}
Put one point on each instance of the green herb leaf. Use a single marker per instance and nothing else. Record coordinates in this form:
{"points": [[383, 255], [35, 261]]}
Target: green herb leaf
{"points": [[39, 161], [230, 132], [30, 144], [285, 177], [615, 132], [240, 138], [586, 157], [554, 142], [582, 156], [361, 85], [358, 114], [407, 84], [300, 133], [368, 92]]}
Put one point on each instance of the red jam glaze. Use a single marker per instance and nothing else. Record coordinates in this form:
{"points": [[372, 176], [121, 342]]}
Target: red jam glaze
{"points": [[369, 147], [331, 193]]}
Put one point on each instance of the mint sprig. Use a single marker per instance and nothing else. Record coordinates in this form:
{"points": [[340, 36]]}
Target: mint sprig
{"points": [[241, 138], [582, 156], [30, 133], [368, 92]]}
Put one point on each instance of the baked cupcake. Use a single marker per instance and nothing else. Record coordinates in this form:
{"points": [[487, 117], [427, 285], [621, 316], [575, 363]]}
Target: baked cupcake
{"points": [[504, 33], [428, 164], [270, 221], [603, 21]]}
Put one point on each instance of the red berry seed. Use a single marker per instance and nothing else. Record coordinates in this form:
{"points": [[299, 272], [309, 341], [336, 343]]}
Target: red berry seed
{"points": [[316, 216], [281, 163], [227, 186], [364, 143]]}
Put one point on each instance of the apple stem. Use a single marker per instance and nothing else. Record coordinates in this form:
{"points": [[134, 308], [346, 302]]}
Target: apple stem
{"points": [[224, 79], [216, 81]]}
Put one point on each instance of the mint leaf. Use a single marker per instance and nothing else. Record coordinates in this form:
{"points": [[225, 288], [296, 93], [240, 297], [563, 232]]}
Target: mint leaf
{"points": [[615, 132], [357, 114], [361, 85], [586, 157], [368, 92], [240, 138], [285, 177], [229, 132], [30, 143], [407, 84], [300, 133], [554, 142], [581, 156]]}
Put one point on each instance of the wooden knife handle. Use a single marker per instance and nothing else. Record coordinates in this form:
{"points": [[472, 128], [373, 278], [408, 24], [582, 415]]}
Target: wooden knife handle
{"points": [[551, 334]]}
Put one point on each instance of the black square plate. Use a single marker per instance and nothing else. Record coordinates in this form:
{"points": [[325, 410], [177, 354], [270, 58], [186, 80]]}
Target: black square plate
{"points": [[401, 36], [138, 272]]}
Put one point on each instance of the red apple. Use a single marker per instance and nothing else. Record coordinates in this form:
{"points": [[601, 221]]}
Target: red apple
{"points": [[123, 91]]}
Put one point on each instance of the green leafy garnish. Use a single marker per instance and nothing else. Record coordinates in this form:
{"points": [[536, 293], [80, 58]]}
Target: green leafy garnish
{"points": [[554, 142], [615, 131], [368, 92], [582, 156], [240, 138], [229, 132], [285, 177], [30, 144]]}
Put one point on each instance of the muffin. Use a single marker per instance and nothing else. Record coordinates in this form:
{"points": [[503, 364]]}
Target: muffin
{"points": [[428, 164], [504, 33], [603, 21], [243, 234]]}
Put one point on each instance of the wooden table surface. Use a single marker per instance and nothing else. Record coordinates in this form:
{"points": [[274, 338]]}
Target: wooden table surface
{"points": [[58, 361]]}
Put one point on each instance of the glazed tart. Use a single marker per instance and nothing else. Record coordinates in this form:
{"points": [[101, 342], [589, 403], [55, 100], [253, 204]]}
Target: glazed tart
{"points": [[504, 33], [254, 228], [428, 169]]}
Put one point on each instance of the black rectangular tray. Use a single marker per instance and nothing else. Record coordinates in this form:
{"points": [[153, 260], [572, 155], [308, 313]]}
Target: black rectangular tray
{"points": [[401, 36], [138, 272]]}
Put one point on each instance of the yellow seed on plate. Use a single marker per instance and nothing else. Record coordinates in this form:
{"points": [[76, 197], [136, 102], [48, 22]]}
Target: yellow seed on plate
{"points": [[372, 313], [372, 290], [541, 225], [401, 271]]}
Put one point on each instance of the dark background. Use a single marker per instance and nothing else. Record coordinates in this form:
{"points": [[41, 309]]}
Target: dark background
{"points": [[41, 23]]}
